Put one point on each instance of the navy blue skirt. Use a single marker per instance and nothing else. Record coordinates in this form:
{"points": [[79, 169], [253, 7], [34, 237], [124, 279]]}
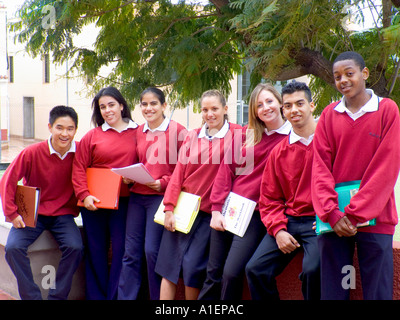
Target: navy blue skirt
{"points": [[186, 255]]}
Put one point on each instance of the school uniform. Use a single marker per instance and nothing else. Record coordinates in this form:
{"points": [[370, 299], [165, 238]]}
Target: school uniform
{"points": [[200, 156], [158, 150], [39, 165], [285, 204], [363, 146], [104, 147], [230, 253]]}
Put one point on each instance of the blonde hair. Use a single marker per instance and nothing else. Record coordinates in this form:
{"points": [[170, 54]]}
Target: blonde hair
{"points": [[256, 127]]}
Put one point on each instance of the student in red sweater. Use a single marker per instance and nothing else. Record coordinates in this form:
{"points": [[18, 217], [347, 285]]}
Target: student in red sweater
{"points": [[285, 203], [111, 144], [357, 138], [158, 143], [199, 159], [47, 165], [230, 253]]}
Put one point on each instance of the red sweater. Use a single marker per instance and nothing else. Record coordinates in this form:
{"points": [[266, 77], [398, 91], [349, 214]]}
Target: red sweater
{"points": [[158, 151], [198, 163], [367, 149], [286, 185], [103, 149], [245, 183], [38, 168]]}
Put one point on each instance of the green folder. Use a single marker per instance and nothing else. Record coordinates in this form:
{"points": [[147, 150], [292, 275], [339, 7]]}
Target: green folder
{"points": [[345, 191]]}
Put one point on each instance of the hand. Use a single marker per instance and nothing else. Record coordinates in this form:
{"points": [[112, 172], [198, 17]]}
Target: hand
{"points": [[127, 180], [169, 221], [89, 203], [156, 185], [217, 221], [286, 242], [344, 228], [18, 222]]}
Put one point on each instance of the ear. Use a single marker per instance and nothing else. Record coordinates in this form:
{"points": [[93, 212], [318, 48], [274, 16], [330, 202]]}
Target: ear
{"points": [[365, 73], [312, 106], [50, 127], [226, 109]]}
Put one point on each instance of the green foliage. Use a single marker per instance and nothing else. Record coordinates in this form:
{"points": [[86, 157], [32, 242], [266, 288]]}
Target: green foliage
{"points": [[186, 49]]}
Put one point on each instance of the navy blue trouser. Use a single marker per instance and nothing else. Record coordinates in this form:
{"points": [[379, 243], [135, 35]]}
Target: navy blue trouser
{"points": [[228, 257], [268, 262], [375, 258], [68, 236], [143, 238], [102, 227]]}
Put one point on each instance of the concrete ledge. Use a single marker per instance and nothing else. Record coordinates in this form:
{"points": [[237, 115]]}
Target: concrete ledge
{"points": [[44, 251]]}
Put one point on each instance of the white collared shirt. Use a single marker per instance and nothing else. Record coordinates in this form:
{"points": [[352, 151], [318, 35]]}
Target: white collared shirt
{"points": [[371, 106], [283, 129], [162, 127], [62, 157], [131, 125], [220, 134], [293, 138]]}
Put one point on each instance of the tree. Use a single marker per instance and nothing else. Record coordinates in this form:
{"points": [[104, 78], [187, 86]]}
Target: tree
{"points": [[187, 48]]}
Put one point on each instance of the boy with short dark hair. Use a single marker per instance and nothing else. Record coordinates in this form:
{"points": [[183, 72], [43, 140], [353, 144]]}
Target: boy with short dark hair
{"points": [[357, 138], [285, 203], [47, 165]]}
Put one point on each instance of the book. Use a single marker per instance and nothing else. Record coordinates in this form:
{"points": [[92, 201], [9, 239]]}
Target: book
{"points": [[105, 185], [237, 211], [27, 200], [345, 191], [136, 172], [185, 212]]}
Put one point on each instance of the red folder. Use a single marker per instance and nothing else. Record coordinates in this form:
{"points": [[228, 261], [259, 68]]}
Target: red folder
{"points": [[105, 185]]}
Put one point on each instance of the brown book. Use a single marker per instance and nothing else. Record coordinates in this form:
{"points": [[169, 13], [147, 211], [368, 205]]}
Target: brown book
{"points": [[105, 185], [27, 199]]}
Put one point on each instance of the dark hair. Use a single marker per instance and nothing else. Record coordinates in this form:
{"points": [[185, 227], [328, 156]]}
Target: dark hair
{"points": [[297, 86], [63, 111], [351, 55], [160, 95], [97, 118]]}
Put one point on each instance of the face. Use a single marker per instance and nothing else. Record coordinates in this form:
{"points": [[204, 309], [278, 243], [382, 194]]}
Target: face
{"points": [[152, 109], [349, 79], [297, 109], [213, 112], [268, 108], [62, 133], [110, 110]]}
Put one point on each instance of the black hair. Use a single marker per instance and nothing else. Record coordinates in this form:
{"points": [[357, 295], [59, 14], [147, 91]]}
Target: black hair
{"points": [[97, 118], [160, 95], [63, 111], [351, 55], [294, 86]]}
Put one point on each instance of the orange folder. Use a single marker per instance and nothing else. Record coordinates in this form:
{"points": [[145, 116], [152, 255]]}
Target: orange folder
{"points": [[105, 185], [27, 200]]}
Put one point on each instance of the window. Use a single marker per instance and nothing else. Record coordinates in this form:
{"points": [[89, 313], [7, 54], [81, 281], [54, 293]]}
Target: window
{"points": [[46, 68], [243, 91]]}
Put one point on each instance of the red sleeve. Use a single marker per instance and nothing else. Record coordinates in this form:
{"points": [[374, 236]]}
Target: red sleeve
{"points": [[17, 170], [380, 177], [272, 200], [222, 186], [323, 192], [81, 162]]}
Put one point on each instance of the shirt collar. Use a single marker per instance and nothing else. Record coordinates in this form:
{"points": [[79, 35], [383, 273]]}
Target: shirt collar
{"points": [[371, 105], [162, 127], [131, 125], [220, 134], [293, 138], [53, 151], [283, 129]]}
